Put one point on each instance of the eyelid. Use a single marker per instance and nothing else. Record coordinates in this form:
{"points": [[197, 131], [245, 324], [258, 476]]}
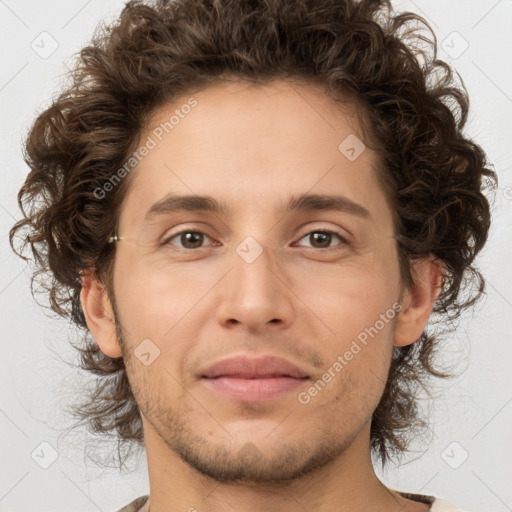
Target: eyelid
{"points": [[343, 241], [194, 228], [169, 237], [339, 232]]}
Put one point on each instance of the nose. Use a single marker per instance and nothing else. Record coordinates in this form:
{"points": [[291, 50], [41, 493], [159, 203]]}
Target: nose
{"points": [[256, 292]]}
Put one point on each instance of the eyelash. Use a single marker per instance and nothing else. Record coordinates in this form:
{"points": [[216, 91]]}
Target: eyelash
{"points": [[325, 231]]}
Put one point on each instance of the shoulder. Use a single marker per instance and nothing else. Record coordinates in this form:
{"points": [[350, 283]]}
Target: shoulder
{"points": [[436, 504], [443, 506], [135, 505]]}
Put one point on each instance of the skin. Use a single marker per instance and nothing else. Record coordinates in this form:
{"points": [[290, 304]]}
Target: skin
{"points": [[254, 148]]}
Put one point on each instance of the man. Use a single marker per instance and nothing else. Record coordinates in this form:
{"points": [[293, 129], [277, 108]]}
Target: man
{"points": [[253, 208]]}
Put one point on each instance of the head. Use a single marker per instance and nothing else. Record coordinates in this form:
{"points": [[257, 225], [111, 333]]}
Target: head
{"points": [[256, 105]]}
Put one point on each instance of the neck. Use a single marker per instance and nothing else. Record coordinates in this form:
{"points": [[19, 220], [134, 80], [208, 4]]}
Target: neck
{"points": [[346, 484]]}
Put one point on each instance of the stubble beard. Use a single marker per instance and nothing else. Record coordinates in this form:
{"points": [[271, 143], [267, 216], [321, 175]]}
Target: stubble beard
{"points": [[227, 462]]}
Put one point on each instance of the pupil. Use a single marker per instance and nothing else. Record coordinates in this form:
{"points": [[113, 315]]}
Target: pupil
{"points": [[189, 239], [322, 237]]}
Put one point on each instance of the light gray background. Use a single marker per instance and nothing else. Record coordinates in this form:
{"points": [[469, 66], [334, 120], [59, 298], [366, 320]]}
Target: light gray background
{"points": [[471, 415]]}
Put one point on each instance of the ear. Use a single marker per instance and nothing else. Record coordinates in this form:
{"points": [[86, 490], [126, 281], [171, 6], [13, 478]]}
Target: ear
{"points": [[99, 315], [418, 301]]}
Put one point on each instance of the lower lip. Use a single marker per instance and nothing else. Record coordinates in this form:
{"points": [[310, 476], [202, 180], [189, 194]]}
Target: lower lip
{"points": [[254, 390]]}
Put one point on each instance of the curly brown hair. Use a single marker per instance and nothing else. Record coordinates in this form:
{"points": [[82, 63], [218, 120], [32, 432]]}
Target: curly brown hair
{"points": [[413, 114]]}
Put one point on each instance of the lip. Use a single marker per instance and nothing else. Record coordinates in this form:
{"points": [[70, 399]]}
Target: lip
{"points": [[244, 367], [254, 378]]}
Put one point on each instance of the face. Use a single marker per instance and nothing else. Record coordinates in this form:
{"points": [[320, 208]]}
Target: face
{"points": [[314, 282]]}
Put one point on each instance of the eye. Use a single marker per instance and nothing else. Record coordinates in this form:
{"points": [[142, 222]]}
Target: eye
{"points": [[188, 238], [322, 238], [193, 239]]}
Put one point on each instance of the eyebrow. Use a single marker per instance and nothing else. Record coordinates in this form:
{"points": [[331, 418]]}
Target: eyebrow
{"points": [[305, 202]]}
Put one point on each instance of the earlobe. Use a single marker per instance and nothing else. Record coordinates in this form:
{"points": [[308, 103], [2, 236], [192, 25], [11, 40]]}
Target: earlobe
{"points": [[418, 301], [99, 315]]}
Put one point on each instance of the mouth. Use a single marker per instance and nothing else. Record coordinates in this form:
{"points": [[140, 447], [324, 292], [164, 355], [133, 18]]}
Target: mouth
{"points": [[254, 379]]}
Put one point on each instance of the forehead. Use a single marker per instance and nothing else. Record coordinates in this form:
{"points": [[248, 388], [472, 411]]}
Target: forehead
{"points": [[252, 114], [249, 144]]}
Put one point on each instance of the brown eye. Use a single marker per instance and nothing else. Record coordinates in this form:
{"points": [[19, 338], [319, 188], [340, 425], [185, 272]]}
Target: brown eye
{"points": [[321, 239], [188, 239]]}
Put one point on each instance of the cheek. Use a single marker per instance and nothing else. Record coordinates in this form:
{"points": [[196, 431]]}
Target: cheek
{"points": [[355, 373], [360, 310], [351, 299], [151, 300]]}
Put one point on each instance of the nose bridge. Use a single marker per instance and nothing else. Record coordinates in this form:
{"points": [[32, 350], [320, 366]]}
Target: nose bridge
{"points": [[255, 294], [254, 269]]}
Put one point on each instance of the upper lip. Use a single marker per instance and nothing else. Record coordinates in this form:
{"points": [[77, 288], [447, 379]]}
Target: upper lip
{"points": [[244, 367]]}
